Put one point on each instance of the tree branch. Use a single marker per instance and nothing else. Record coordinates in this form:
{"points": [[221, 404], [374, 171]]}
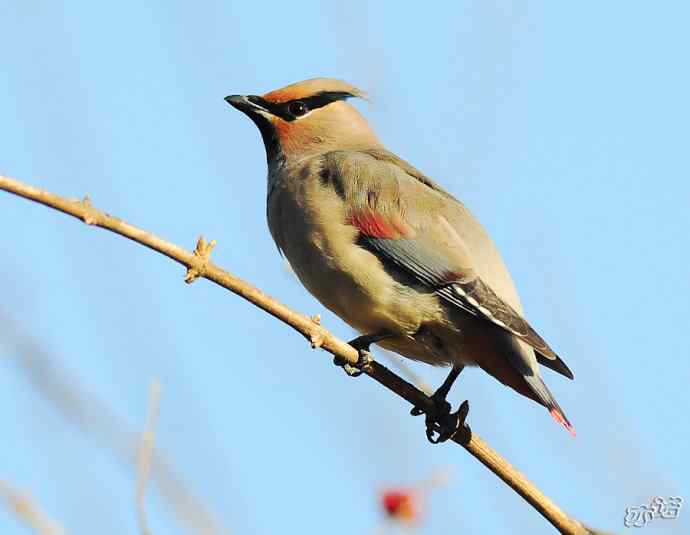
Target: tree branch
{"points": [[145, 454], [198, 264], [28, 511]]}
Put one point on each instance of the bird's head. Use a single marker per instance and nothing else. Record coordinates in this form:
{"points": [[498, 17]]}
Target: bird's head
{"points": [[307, 118]]}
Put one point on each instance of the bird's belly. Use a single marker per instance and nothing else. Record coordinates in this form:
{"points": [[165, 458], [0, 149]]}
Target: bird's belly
{"points": [[353, 285], [351, 281]]}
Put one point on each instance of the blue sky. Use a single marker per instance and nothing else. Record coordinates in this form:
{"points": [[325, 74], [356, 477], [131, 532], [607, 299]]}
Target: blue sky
{"points": [[563, 127]]}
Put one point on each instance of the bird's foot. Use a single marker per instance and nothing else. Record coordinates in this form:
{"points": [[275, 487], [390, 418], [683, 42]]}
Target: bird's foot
{"points": [[361, 344], [357, 369], [440, 421]]}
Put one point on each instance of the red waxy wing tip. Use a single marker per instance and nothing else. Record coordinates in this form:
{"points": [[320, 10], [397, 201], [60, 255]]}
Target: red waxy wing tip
{"points": [[556, 414], [377, 225]]}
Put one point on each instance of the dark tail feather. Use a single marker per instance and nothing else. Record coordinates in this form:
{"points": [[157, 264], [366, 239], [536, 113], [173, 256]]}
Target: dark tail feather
{"points": [[538, 386], [556, 364]]}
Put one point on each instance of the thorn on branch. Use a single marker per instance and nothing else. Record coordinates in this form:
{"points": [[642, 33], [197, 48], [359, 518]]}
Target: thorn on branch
{"points": [[91, 214], [316, 337], [203, 253]]}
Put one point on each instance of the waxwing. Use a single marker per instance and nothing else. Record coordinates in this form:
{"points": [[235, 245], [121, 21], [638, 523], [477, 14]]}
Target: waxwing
{"points": [[388, 250]]}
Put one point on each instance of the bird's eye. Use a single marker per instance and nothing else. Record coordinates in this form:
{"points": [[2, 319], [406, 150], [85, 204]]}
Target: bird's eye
{"points": [[297, 108]]}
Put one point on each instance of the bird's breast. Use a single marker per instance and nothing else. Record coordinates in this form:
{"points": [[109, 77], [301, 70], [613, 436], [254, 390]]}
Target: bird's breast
{"points": [[308, 223]]}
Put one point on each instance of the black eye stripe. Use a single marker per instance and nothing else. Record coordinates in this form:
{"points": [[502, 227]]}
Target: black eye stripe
{"points": [[326, 97], [313, 102]]}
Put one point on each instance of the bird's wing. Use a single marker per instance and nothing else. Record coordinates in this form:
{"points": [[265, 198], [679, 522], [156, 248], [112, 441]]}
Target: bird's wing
{"points": [[400, 217]]}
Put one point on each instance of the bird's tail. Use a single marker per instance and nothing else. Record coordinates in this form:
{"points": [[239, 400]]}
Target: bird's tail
{"points": [[538, 386]]}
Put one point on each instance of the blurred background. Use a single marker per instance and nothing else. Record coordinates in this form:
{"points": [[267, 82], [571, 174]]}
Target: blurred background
{"points": [[563, 127]]}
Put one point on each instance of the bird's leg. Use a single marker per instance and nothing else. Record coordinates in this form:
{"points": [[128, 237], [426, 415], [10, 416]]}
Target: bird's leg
{"points": [[361, 344], [441, 420], [439, 397]]}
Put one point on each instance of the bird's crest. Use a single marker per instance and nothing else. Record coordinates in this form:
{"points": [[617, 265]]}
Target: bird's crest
{"points": [[313, 87]]}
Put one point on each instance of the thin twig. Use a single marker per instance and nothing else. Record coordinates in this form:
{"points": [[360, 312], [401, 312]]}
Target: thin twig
{"points": [[198, 264], [29, 512], [145, 453], [97, 420]]}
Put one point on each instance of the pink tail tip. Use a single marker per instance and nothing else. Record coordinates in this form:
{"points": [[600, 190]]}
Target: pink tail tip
{"points": [[556, 414]]}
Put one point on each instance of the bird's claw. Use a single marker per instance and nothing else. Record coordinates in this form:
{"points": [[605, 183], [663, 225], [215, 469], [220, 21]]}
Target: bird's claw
{"points": [[443, 422], [447, 425], [361, 344], [441, 406], [416, 411], [357, 369]]}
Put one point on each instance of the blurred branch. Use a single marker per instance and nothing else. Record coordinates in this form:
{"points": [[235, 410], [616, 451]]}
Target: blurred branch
{"points": [[198, 265], [96, 419], [28, 511], [146, 446]]}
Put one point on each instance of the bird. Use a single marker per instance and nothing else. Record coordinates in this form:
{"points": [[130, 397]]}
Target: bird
{"points": [[389, 251]]}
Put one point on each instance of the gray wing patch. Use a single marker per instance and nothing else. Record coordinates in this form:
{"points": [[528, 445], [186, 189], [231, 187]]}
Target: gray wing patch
{"points": [[426, 265]]}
